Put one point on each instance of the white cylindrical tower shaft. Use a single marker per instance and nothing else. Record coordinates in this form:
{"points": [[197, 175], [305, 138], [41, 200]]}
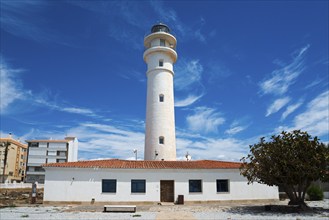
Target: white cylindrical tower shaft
{"points": [[160, 55]]}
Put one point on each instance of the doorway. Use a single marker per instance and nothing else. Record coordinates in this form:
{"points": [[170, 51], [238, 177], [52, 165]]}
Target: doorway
{"points": [[167, 193]]}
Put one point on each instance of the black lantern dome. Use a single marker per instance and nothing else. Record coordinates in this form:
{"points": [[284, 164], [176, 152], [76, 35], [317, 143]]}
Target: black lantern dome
{"points": [[160, 28]]}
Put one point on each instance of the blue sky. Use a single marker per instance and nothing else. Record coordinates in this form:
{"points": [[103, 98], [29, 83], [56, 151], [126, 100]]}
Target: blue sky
{"points": [[245, 69]]}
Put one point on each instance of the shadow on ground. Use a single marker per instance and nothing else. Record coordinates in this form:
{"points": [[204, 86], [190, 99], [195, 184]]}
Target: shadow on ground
{"points": [[276, 210]]}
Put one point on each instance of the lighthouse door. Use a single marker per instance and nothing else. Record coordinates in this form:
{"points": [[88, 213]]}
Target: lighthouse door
{"points": [[167, 191]]}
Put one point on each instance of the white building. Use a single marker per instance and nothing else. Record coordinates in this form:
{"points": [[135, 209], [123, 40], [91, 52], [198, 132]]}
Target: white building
{"points": [[48, 151], [160, 178], [160, 55], [122, 181]]}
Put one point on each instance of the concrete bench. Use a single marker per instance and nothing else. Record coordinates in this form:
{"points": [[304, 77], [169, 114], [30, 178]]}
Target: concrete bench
{"points": [[119, 208]]}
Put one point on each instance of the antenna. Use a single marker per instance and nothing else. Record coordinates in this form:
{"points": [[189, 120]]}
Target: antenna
{"points": [[188, 156]]}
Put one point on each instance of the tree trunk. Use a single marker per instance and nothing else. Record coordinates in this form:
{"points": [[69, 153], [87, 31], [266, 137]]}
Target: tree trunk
{"points": [[296, 198]]}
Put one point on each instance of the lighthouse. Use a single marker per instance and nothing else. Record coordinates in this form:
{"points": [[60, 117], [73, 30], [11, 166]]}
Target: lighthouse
{"points": [[160, 55]]}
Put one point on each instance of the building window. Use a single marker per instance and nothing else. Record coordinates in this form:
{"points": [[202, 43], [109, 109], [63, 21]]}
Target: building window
{"points": [[195, 185], [34, 145], [161, 98], [138, 186], [39, 169], [109, 186], [162, 42], [222, 185], [61, 153], [161, 140], [160, 62]]}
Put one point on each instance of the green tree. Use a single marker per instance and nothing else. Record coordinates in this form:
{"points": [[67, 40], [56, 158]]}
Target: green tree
{"points": [[291, 160]]}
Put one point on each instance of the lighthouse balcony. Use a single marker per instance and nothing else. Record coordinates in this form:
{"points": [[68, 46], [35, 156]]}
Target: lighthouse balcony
{"points": [[171, 52], [160, 39]]}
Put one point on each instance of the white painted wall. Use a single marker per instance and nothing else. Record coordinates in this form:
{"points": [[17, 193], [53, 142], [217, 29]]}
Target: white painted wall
{"points": [[73, 150], [82, 184], [34, 160], [37, 151], [160, 116], [55, 145]]}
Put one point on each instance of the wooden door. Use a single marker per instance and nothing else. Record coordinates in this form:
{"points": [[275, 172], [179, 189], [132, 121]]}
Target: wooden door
{"points": [[167, 191]]}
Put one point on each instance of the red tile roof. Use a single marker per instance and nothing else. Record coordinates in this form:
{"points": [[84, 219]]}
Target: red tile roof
{"points": [[148, 164]]}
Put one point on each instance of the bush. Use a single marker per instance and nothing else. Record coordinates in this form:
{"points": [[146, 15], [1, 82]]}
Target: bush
{"points": [[315, 193]]}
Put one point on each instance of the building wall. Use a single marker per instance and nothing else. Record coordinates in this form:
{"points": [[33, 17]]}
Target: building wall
{"points": [[85, 184], [52, 151], [73, 149], [14, 169], [160, 116]]}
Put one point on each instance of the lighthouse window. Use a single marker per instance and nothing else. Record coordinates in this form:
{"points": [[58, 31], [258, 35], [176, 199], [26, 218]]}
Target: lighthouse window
{"points": [[160, 62], [161, 98], [162, 42], [161, 140]]}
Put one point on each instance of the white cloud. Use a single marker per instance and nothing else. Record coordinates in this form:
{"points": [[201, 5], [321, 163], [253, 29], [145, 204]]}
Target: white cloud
{"points": [[10, 87], [235, 128], [185, 31], [204, 120], [314, 83], [199, 36], [315, 119], [277, 105], [165, 13], [81, 111], [228, 149], [12, 90], [290, 109], [187, 74], [103, 141], [189, 100], [282, 78]]}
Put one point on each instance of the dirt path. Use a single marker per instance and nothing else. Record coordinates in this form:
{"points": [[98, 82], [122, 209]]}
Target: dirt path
{"points": [[175, 216]]}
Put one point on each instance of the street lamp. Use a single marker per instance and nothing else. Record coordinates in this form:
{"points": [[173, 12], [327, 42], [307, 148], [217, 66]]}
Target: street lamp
{"points": [[135, 152]]}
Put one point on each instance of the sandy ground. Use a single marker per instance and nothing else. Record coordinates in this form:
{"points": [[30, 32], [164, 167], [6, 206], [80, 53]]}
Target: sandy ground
{"points": [[179, 212]]}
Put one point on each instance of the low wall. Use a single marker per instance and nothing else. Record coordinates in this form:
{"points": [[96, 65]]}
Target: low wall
{"points": [[19, 185]]}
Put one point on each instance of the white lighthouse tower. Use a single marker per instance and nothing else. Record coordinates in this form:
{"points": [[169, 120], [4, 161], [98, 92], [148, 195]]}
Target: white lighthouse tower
{"points": [[160, 55]]}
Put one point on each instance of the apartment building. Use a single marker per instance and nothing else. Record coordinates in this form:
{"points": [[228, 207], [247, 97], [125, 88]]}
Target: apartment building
{"points": [[48, 151], [13, 156]]}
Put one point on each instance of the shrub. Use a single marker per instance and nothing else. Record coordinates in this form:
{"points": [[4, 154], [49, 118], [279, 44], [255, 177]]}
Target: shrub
{"points": [[315, 193]]}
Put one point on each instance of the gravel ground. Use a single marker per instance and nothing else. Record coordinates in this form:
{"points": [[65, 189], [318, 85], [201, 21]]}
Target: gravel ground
{"points": [[206, 211]]}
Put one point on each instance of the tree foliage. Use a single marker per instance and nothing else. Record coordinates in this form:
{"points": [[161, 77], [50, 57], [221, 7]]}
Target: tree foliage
{"points": [[291, 160]]}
